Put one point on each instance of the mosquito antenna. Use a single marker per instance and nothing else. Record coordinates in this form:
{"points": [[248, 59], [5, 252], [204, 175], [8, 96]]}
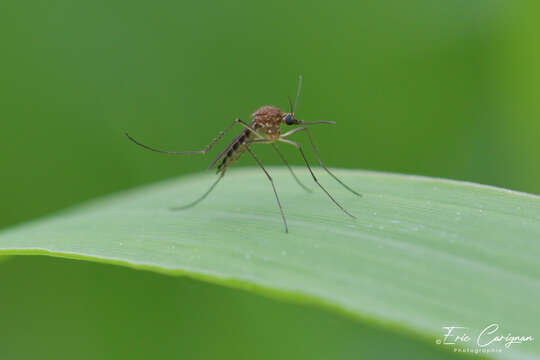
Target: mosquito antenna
{"points": [[297, 93], [290, 105]]}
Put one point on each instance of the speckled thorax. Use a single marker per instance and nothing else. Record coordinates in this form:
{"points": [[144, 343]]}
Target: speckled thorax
{"points": [[267, 120]]}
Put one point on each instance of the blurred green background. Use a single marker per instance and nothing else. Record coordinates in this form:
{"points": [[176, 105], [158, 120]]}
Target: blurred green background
{"points": [[439, 88]]}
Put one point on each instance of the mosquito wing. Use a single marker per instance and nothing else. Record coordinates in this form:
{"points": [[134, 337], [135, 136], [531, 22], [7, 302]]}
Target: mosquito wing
{"points": [[227, 148]]}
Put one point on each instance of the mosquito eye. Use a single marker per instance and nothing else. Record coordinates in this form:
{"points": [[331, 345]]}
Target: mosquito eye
{"points": [[288, 119]]}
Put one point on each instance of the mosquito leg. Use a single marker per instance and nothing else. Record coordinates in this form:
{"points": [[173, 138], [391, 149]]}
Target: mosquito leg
{"points": [[202, 152], [313, 175], [250, 128], [267, 141], [273, 187], [191, 204], [290, 132], [290, 169], [228, 147], [303, 128]]}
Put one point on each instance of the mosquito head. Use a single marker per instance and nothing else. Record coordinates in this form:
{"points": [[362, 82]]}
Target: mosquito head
{"points": [[289, 119]]}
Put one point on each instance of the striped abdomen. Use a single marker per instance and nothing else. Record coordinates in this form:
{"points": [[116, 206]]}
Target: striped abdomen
{"points": [[235, 149]]}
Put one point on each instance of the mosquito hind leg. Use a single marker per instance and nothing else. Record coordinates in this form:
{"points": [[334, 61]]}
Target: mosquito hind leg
{"points": [[201, 152], [250, 128], [203, 196]]}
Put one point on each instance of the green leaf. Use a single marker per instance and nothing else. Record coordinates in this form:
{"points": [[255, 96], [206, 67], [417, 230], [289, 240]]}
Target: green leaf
{"points": [[422, 254]]}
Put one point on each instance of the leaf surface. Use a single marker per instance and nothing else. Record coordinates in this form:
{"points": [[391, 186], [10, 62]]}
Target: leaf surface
{"points": [[422, 254]]}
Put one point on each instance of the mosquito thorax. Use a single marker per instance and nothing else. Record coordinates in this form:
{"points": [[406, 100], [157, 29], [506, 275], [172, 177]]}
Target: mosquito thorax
{"points": [[267, 119], [268, 114]]}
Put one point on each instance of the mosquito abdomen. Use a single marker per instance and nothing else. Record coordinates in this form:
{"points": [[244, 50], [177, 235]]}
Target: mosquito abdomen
{"points": [[236, 150]]}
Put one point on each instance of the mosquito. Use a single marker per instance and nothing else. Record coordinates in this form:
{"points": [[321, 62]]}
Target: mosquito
{"points": [[265, 128]]}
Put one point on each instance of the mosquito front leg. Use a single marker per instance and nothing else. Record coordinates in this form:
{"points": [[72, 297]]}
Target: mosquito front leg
{"points": [[290, 169], [201, 152], [313, 175], [271, 142], [273, 187], [303, 128]]}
